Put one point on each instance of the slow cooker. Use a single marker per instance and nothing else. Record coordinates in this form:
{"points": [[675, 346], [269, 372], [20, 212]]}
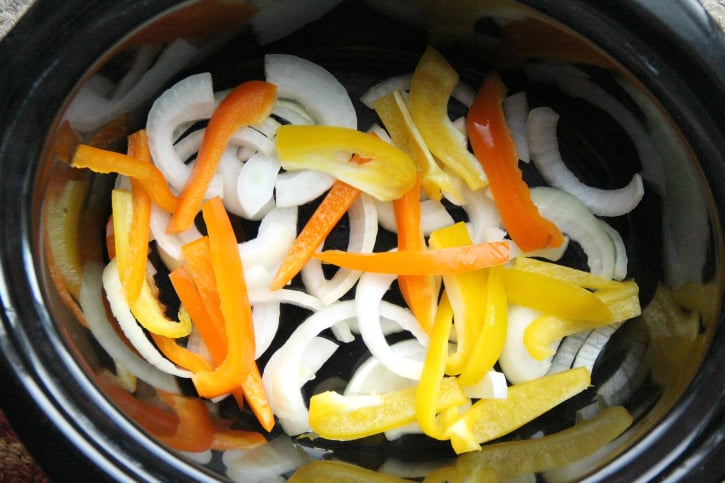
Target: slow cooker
{"points": [[668, 57]]}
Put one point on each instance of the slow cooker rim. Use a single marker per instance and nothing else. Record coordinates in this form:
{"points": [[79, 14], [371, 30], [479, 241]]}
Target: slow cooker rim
{"points": [[28, 28]]}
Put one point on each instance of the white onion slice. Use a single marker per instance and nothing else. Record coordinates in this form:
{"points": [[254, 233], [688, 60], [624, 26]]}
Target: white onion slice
{"points": [[265, 318], [516, 362], [433, 216], [492, 386], [567, 351], [130, 327], [255, 184], [170, 244], [368, 302], [593, 345], [516, 110], [620, 252], [373, 377], [299, 187], [363, 220], [313, 87], [91, 301], [576, 83], [228, 170], [280, 376], [482, 213], [90, 110], [275, 235], [264, 463], [575, 219], [191, 99], [544, 146]]}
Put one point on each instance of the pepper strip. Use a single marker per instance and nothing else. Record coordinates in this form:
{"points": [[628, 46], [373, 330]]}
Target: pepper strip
{"points": [[430, 89], [104, 162], [249, 103], [235, 307], [195, 431], [493, 146]]}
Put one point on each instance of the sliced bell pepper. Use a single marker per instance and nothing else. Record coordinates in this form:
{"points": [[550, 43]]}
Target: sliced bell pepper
{"points": [[337, 417], [387, 175], [419, 291], [489, 419], [331, 470], [430, 89], [104, 162], [492, 333], [422, 262], [236, 439], [146, 308], [554, 296], [195, 431], [581, 278], [512, 459], [332, 208], [235, 307], [398, 121], [249, 103], [493, 146]]}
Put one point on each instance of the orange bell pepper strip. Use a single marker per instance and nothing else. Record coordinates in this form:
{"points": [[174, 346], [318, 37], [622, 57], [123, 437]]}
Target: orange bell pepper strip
{"points": [[249, 103], [138, 238], [153, 419], [236, 439], [104, 162], [235, 307], [335, 204], [419, 291], [493, 146], [256, 396], [422, 262], [195, 431], [181, 356]]}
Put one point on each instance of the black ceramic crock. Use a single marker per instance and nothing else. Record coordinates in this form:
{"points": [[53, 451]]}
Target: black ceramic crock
{"points": [[672, 48]]}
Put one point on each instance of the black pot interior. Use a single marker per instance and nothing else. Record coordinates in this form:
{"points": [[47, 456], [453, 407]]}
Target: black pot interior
{"points": [[667, 357]]}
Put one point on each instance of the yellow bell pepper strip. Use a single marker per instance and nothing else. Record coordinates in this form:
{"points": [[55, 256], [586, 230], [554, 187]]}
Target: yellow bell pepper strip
{"points": [[553, 296], [489, 419], [493, 146], [147, 309], [542, 335], [434, 366], [466, 294], [133, 274], [250, 103], [581, 278], [104, 162], [331, 470], [388, 174], [419, 291], [396, 118], [337, 417], [430, 89], [332, 208], [512, 459], [235, 307], [422, 262], [492, 333]]}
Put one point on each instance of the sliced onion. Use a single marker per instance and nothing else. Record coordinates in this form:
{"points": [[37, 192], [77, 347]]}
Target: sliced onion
{"points": [[313, 87], [266, 463], [515, 360], [255, 139], [275, 236], [255, 184], [516, 110], [593, 345], [363, 221], [368, 302], [544, 145], [280, 376], [291, 113], [90, 110], [373, 377], [300, 187], [433, 216], [91, 301], [130, 327], [575, 219], [482, 213], [576, 83], [567, 351], [228, 169], [169, 244], [492, 386], [191, 99], [620, 252], [265, 317]]}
